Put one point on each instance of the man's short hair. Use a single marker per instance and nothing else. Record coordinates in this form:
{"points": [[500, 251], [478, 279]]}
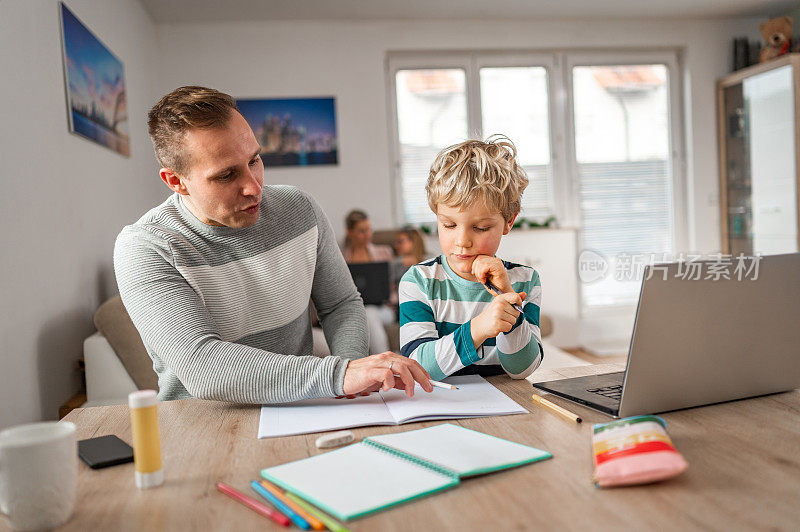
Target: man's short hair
{"points": [[181, 110], [477, 170]]}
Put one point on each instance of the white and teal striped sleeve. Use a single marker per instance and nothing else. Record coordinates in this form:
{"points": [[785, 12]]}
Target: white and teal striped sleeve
{"points": [[520, 350], [419, 336]]}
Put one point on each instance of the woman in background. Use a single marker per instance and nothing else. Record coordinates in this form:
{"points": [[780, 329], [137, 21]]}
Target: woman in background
{"points": [[358, 243], [359, 248]]}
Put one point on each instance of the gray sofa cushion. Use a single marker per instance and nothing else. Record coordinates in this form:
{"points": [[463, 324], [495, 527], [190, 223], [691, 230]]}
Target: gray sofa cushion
{"points": [[113, 322]]}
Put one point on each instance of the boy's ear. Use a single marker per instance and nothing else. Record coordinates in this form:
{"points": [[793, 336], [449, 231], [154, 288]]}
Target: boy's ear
{"points": [[510, 223]]}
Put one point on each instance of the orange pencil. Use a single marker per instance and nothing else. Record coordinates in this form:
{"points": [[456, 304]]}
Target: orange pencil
{"points": [[315, 523]]}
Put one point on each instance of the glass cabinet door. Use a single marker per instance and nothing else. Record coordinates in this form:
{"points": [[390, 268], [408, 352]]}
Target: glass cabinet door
{"points": [[760, 158], [769, 100]]}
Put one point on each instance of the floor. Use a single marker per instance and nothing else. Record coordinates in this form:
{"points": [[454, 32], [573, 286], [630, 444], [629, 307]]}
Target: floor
{"points": [[586, 356]]}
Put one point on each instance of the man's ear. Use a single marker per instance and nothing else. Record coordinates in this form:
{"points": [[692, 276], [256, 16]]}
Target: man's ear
{"points": [[173, 181], [510, 223]]}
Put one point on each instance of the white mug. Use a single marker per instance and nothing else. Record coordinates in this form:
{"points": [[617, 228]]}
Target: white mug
{"points": [[38, 474]]}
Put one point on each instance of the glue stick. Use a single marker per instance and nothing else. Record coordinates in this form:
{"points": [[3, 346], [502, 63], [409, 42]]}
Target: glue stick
{"points": [[146, 444]]}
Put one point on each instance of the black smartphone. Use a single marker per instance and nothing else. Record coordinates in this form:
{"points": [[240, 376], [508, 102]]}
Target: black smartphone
{"points": [[104, 451]]}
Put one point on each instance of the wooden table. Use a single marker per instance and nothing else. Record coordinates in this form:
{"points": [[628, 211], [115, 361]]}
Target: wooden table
{"points": [[744, 471]]}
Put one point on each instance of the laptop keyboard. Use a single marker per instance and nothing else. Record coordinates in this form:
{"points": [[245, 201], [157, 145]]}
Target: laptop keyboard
{"points": [[612, 392]]}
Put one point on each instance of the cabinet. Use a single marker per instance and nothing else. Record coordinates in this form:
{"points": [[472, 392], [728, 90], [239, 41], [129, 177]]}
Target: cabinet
{"points": [[759, 150]]}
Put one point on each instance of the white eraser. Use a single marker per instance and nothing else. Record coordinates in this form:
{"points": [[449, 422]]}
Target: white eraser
{"points": [[334, 439]]}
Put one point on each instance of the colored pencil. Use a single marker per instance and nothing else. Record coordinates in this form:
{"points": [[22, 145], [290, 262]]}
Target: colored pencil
{"points": [[315, 523], [291, 514], [331, 523], [254, 505]]}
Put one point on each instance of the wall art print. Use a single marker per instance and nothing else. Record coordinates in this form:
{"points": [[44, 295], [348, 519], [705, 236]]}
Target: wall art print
{"points": [[293, 131], [95, 86]]}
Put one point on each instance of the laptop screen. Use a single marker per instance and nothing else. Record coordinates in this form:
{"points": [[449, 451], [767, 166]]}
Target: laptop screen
{"points": [[372, 281]]}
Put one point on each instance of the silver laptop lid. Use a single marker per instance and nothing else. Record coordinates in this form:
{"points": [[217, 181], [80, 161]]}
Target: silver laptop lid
{"points": [[698, 341]]}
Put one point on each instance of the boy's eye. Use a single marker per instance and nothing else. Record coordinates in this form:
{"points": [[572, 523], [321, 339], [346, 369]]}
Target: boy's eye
{"points": [[448, 226], [482, 228], [225, 177], [254, 161]]}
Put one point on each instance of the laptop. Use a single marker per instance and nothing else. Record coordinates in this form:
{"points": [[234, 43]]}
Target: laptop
{"points": [[698, 342], [372, 281]]}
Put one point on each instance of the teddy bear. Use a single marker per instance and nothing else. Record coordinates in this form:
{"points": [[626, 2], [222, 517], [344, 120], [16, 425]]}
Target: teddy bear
{"points": [[777, 33]]}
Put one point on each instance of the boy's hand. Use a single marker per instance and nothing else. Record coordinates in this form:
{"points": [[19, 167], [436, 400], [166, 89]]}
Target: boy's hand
{"points": [[487, 268], [498, 317]]}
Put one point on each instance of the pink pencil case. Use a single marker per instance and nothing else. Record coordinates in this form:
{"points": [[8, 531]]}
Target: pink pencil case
{"points": [[634, 450]]}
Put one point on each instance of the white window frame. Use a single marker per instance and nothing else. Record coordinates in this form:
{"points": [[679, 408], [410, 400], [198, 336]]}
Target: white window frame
{"points": [[471, 63], [678, 213], [410, 61], [559, 65], [552, 65]]}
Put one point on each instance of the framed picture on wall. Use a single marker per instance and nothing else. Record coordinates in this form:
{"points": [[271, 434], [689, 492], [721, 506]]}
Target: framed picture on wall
{"points": [[95, 85], [293, 131]]}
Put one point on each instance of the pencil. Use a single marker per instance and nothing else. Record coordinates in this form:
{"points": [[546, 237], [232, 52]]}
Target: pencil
{"points": [[315, 523], [443, 385], [555, 408], [490, 286], [254, 505], [288, 512], [331, 523]]}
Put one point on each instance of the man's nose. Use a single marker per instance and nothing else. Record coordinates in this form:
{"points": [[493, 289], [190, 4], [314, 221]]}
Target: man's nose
{"points": [[252, 186]]}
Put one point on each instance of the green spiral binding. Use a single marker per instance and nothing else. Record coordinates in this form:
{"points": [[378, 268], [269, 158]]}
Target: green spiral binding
{"points": [[411, 458]]}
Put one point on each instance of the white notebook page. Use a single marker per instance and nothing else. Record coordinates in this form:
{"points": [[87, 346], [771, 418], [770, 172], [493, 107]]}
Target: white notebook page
{"points": [[318, 415], [356, 479], [459, 449], [474, 397]]}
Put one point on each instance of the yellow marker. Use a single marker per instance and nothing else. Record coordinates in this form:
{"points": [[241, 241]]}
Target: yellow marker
{"points": [[146, 443]]}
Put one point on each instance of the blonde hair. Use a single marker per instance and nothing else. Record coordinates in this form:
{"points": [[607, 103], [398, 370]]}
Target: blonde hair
{"points": [[478, 170], [417, 243]]}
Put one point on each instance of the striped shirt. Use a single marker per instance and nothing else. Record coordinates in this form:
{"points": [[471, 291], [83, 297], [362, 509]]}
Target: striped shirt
{"points": [[223, 312], [436, 306]]}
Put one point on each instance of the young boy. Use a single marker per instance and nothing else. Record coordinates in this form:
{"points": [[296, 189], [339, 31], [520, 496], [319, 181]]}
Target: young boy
{"points": [[448, 317]]}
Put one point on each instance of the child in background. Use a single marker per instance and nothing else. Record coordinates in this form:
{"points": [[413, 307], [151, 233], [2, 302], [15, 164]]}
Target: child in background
{"points": [[448, 318], [409, 246]]}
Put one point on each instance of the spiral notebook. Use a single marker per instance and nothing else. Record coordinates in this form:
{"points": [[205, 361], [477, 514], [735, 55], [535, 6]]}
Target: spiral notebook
{"points": [[383, 471]]}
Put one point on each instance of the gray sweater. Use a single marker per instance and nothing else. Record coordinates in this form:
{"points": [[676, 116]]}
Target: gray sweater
{"points": [[223, 312]]}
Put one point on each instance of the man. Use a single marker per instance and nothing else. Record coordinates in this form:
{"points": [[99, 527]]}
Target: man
{"points": [[217, 279]]}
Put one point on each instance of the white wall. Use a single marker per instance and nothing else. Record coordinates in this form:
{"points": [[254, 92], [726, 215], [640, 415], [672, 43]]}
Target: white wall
{"points": [[63, 198], [346, 60]]}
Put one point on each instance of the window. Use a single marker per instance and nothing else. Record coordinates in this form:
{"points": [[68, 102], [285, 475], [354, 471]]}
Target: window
{"points": [[622, 162], [596, 132], [431, 115], [514, 102]]}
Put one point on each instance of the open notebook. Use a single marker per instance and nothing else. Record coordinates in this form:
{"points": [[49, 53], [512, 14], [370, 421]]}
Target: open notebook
{"points": [[383, 471], [474, 398]]}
